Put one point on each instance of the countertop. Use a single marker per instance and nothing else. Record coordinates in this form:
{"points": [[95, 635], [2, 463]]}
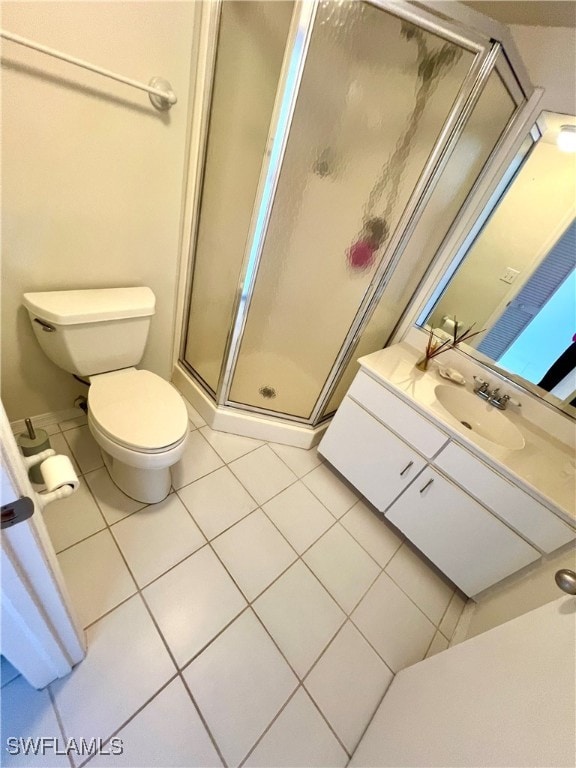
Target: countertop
{"points": [[545, 467]]}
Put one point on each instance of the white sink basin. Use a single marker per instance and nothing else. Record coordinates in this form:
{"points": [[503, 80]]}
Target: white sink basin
{"points": [[477, 416]]}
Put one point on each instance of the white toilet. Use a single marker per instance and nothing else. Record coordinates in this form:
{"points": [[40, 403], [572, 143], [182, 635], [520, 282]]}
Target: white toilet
{"points": [[137, 418]]}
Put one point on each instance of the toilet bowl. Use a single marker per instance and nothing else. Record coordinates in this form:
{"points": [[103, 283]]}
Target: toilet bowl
{"points": [[140, 423]]}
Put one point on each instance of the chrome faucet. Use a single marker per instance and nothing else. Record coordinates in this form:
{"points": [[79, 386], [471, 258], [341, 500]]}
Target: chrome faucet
{"points": [[482, 389]]}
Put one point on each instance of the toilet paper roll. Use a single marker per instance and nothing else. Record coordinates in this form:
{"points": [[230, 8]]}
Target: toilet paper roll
{"points": [[57, 472], [448, 325]]}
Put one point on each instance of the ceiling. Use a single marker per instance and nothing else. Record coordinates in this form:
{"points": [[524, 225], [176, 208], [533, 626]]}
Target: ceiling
{"points": [[538, 13]]}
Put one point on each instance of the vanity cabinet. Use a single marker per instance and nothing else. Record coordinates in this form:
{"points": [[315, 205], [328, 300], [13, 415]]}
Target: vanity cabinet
{"points": [[473, 523], [469, 544]]}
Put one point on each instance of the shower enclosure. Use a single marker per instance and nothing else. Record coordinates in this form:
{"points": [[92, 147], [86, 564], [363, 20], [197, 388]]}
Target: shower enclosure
{"points": [[340, 141]]}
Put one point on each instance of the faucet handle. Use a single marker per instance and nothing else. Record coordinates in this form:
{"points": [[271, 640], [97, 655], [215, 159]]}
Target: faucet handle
{"points": [[481, 384]]}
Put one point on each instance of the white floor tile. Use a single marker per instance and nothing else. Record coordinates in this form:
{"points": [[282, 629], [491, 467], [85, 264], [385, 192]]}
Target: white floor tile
{"points": [[300, 460], [72, 519], [371, 530], [298, 737], [85, 448], [240, 683], [229, 446], [348, 684], [167, 733], [157, 537], [342, 566], [126, 665], [96, 576], [28, 714], [262, 473], [332, 492], [8, 673], [193, 602], [438, 644], [217, 501], [300, 615], [199, 459], [58, 443], [113, 504], [394, 626], [299, 515], [452, 615], [254, 553], [420, 582]]}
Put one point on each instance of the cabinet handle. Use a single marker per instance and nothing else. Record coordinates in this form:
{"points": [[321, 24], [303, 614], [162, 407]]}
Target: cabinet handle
{"points": [[427, 484], [406, 468]]}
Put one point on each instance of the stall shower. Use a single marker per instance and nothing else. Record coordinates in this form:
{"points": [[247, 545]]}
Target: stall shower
{"points": [[340, 142]]}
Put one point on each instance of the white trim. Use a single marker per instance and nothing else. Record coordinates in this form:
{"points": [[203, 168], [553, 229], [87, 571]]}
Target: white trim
{"points": [[43, 619], [226, 418], [461, 631]]}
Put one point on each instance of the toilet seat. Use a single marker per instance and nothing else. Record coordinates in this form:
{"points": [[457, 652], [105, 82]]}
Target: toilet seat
{"points": [[138, 410]]}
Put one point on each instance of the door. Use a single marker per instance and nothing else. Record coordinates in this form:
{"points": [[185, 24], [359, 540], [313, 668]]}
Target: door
{"points": [[468, 543], [502, 698], [375, 461], [41, 637]]}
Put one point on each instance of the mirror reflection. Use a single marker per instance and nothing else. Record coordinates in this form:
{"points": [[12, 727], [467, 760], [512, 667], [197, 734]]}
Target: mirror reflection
{"points": [[517, 279]]}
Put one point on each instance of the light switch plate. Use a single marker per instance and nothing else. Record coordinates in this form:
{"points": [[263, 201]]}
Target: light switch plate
{"points": [[510, 275]]}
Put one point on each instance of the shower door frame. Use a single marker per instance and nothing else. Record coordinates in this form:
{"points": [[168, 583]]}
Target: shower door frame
{"points": [[488, 57]]}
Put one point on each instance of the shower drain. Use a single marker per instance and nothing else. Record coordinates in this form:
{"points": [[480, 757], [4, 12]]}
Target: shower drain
{"points": [[267, 392]]}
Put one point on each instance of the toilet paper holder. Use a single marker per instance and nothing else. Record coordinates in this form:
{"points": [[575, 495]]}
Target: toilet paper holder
{"points": [[45, 498]]}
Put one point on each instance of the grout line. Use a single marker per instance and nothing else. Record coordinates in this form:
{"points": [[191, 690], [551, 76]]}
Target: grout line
{"points": [[59, 719], [132, 716], [169, 651], [250, 602]]}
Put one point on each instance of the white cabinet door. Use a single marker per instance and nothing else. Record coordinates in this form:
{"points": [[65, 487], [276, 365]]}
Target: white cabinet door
{"points": [[374, 460], [469, 544]]}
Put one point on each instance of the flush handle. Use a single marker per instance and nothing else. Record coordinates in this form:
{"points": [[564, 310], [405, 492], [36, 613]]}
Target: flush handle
{"points": [[406, 468], [45, 326], [427, 485]]}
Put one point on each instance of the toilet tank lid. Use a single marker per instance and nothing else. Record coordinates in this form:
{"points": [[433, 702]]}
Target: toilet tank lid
{"points": [[91, 305]]}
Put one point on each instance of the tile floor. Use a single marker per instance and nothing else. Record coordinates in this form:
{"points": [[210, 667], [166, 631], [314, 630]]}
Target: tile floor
{"points": [[255, 617]]}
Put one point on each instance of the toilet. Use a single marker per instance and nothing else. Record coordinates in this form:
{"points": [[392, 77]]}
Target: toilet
{"points": [[137, 418]]}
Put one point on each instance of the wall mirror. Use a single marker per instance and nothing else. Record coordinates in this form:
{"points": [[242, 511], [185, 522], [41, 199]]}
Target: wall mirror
{"points": [[515, 275]]}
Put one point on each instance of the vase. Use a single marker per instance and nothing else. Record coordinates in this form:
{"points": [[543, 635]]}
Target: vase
{"points": [[422, 364]]}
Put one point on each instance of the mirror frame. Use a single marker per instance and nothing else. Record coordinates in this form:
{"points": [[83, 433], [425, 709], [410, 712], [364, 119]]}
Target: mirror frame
{"points": [[464, 231]]}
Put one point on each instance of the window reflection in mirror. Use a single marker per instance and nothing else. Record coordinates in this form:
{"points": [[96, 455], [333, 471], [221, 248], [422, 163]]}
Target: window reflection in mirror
{"points": [[516, 277]]}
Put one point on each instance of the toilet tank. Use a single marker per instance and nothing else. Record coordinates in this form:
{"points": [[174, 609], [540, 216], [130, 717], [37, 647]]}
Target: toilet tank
{"points": [[92, 331]]}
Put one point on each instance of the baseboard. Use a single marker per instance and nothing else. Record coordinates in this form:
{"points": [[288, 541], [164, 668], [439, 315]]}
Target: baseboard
{"points": [[237, 422], [461, 632], [43, 420]]}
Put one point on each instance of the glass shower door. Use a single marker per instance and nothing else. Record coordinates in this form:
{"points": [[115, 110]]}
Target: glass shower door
{"points": [[375, 95]]}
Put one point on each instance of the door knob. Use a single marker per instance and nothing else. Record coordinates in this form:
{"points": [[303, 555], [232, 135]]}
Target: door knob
{"points": [[566, 580]]}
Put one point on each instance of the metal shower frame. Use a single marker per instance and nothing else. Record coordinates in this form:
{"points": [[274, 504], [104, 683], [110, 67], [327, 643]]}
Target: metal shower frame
{"points": [[464, 28]]}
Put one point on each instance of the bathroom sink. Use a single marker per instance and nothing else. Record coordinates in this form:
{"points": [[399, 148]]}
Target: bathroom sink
{"points": [[479, 417]]}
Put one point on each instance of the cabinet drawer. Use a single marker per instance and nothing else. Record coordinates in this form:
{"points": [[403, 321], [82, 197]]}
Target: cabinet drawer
{"points": [[369, 456], [469, 544], [401, 418], [517, 508]]}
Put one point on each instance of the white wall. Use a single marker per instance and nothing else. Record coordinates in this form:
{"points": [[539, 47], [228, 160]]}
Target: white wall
{"points": [[92, 174], [549, 54], [521, 593]]}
